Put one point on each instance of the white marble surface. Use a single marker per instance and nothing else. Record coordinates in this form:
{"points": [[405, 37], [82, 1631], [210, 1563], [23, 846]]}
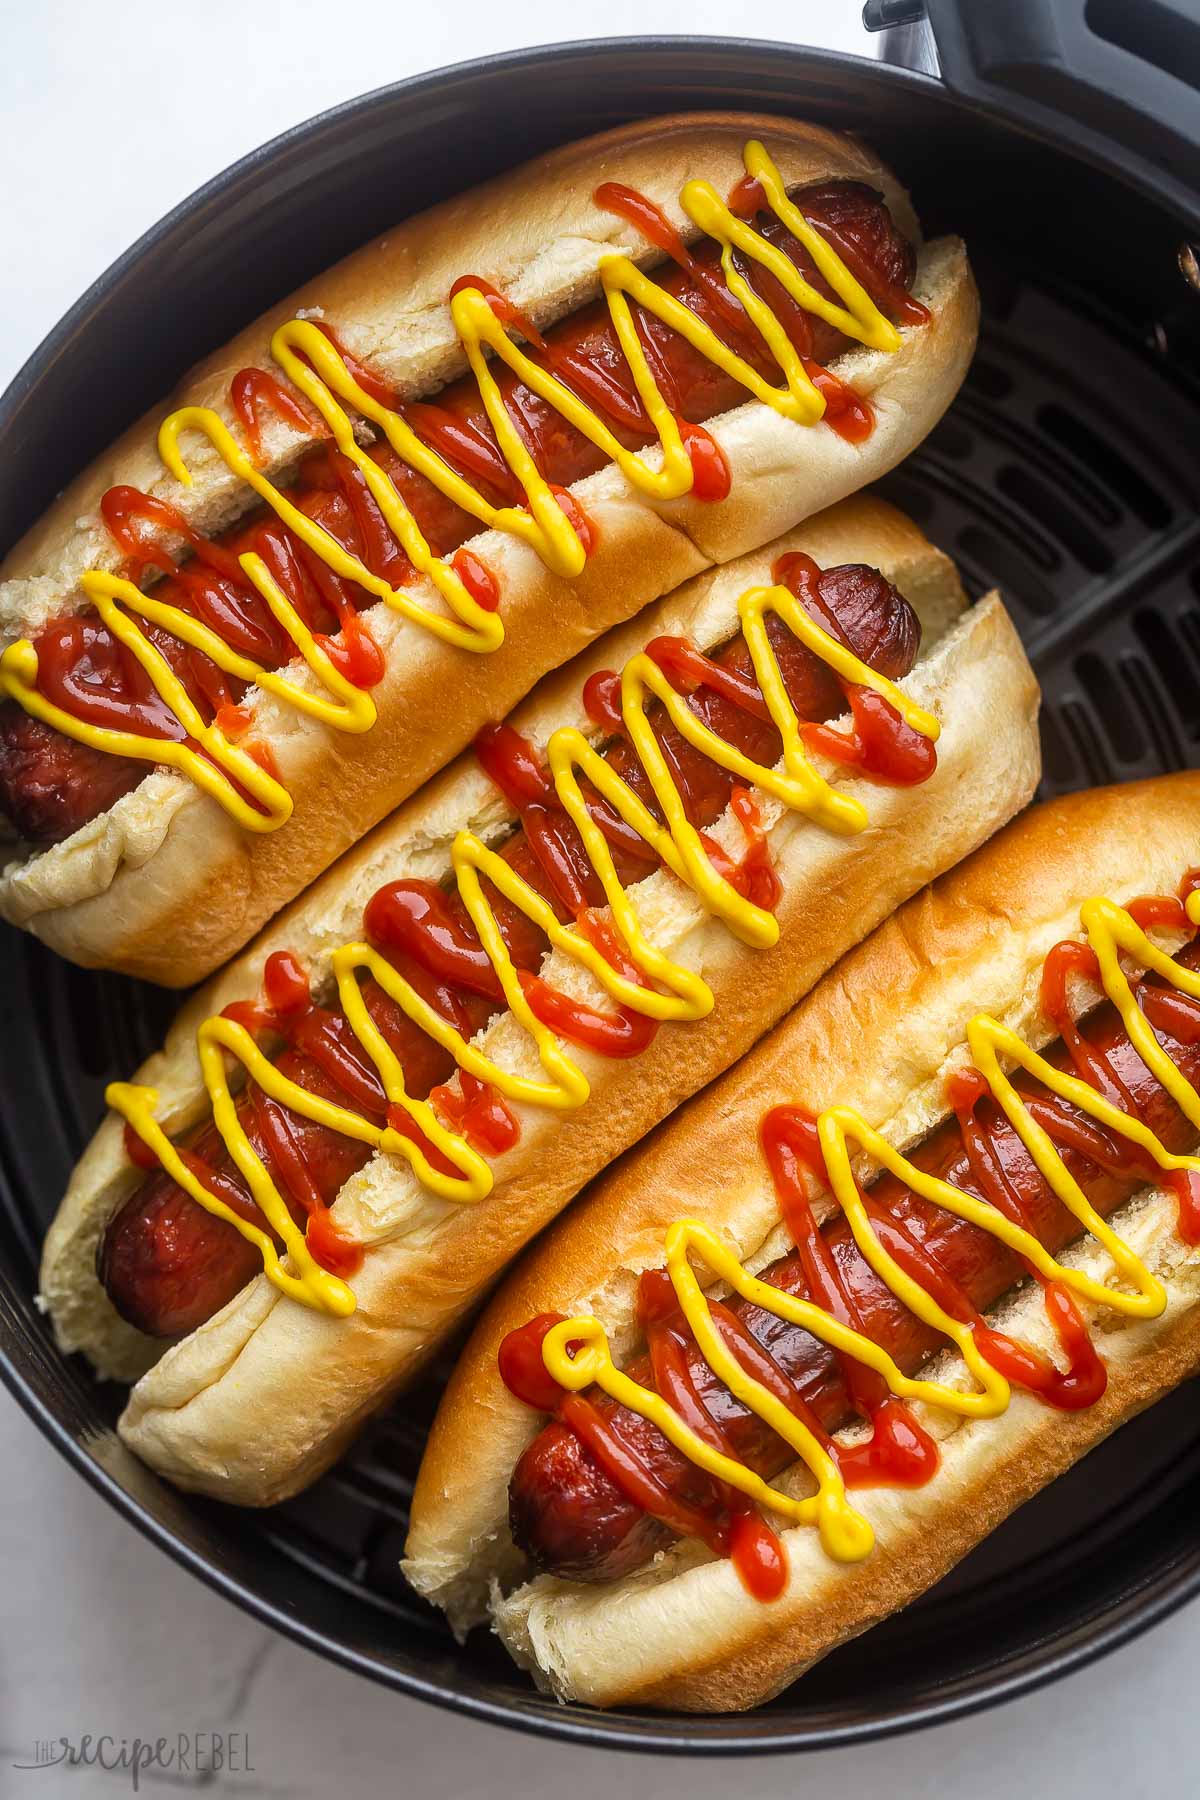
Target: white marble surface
{"points": [[109, 113]]}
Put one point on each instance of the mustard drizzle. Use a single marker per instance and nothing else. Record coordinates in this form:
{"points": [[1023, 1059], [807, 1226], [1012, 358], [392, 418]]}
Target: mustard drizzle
{"points": [[576, 1351], [311, 362], [673, 991]]}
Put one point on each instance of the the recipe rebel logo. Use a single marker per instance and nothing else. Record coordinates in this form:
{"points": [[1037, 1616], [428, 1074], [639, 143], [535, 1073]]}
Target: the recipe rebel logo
{"points": [[195, 1755]]}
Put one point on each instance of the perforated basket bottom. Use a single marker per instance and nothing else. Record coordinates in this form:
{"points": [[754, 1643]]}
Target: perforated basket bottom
{"points": [[1082, 510]]}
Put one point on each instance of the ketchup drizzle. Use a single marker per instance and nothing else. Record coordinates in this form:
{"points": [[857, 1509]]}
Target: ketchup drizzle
{"points": [[253, 391], [899, 1452]]}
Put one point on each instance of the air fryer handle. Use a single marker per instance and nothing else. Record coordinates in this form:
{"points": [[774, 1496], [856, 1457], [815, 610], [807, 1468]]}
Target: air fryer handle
{"points": [[1105, 74]]}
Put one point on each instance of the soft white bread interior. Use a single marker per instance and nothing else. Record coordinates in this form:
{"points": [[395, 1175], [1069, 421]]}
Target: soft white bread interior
{"points": [[880, 1033], [259, 1400], [165, 885]]}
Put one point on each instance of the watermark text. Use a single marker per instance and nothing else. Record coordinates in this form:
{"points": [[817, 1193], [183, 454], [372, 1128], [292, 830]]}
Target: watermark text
{"points": [[187, 1753]]}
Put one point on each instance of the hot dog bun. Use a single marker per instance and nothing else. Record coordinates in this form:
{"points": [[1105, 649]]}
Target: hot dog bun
{"points": [[165, 884], [881, 1029], [258, 1401]]}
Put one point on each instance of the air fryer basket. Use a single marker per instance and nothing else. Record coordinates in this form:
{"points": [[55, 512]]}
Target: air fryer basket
{"points": [[1067, 474]]}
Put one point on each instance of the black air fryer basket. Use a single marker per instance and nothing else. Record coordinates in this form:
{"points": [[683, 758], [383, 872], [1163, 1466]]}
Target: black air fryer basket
{"points": [[1062, 143]]}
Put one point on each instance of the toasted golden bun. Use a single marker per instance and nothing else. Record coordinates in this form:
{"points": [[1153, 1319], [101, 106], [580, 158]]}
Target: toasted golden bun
{"points": [[259, 1400], [165, 885], [880, 1032]]}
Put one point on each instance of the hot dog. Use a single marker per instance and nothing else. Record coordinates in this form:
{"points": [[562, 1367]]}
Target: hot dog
{"points": [[165, 1293], [570, 1517], [52, 784], [722, 1602], [509, 982], [168, 787]]}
